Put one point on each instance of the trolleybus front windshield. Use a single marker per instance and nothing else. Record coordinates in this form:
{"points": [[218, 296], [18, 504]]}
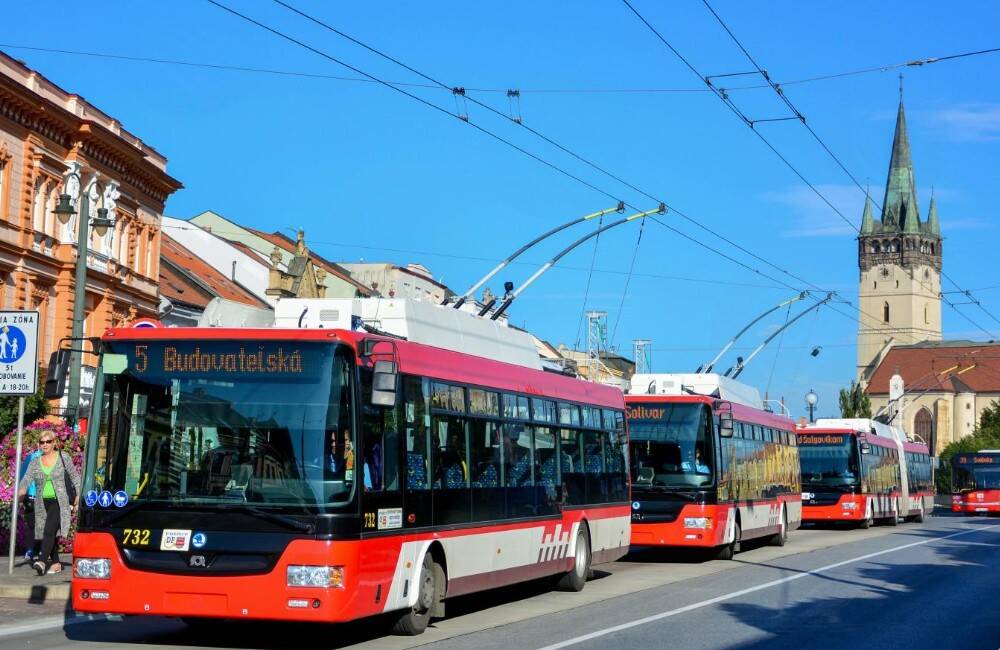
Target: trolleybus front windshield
{"points": [[193, 423], [977, 472], [828, 459], [671, 444]]}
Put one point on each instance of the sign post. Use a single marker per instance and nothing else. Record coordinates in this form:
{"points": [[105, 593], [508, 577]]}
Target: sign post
{"points": [[18, 376]]}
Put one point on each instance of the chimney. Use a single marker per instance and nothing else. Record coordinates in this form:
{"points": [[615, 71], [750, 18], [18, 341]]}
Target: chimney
{"points": [[233, 274]]}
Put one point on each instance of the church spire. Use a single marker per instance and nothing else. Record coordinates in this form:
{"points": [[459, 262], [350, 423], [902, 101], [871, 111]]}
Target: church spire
{"points": [[932, 226], [867, 222], [899, 209]]}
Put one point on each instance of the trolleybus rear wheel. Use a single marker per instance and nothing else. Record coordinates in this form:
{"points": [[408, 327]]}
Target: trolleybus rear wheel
{"points": [[782, 536], [575, 579]]}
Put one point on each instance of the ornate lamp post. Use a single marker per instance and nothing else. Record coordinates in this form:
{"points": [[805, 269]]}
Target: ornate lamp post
{"points": [[64, 212], [811, 400]]}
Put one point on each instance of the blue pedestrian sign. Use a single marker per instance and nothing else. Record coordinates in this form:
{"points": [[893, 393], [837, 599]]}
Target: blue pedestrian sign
{"points": [[18, 352], [104, 499]]}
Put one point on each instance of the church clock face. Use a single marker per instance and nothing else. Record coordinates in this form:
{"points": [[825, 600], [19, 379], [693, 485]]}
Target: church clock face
{"points": [[884, 271]]}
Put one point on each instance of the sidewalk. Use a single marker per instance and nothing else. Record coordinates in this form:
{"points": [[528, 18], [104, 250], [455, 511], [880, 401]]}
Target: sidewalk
{"points": [[24, 584]]}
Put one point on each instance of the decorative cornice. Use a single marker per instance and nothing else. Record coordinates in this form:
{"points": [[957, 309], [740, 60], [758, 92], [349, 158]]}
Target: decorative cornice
{"points": [[92, 140]]}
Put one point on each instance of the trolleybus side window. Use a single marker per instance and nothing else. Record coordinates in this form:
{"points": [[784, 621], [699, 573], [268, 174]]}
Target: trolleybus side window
{"points": [[417, 423], [518, 470], [571, 466], [450, 459], [486, 468]]}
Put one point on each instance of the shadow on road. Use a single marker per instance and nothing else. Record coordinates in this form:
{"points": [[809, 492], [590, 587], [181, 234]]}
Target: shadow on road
{"points": [[890, 604]]}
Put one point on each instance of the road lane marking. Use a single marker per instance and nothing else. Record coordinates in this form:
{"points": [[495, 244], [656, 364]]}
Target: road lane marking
{"points": [[749, 590], [53, 622]]}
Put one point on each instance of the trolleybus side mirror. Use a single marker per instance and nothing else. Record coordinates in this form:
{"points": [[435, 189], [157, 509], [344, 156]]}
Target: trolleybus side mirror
{"points": [[866, 448], [55, 376], [384, 380], [726, 425]]}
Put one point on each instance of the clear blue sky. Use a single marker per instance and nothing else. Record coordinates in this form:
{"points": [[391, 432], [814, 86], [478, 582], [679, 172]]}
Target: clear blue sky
{"points": [[373, 175]]}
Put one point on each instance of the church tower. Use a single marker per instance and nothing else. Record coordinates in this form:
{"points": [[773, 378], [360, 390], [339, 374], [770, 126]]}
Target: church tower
{"points": [[899, 257]]}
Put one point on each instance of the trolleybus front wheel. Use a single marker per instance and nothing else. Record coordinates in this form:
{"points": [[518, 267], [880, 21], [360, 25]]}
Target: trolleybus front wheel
{"points": [[431, 583], [729, 550]]}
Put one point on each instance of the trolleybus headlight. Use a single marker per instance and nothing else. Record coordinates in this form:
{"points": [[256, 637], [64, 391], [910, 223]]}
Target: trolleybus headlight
{"points": [[99, 568], [315, 576], [697, 522]]}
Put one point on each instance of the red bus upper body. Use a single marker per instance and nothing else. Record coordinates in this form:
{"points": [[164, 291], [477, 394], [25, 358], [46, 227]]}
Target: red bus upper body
{"points": [[708, 472], [250, 473], [975, 480], [856, 470]]}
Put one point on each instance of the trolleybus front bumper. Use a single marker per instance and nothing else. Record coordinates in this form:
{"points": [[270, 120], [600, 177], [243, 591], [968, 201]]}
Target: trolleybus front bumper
{"points": [[264, 596]]}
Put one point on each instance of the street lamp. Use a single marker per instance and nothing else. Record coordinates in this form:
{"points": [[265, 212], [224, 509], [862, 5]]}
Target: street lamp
{"points": [[811, 400], [64, 212]]}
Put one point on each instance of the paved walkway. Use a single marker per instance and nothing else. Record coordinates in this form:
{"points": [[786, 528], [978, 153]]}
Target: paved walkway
{"points": [[28, 586]]}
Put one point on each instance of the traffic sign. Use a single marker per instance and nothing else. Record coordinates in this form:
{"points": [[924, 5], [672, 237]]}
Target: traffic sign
{"points": [[142, 323], [18, 352]]}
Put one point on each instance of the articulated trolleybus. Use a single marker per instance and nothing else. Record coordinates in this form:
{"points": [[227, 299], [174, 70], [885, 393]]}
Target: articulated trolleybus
{"points": [[710, 466], [975, 482], [862, 471], [325, 471]]}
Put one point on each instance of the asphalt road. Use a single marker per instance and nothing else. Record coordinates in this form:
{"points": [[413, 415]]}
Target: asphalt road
{"points": [[931, 585]]}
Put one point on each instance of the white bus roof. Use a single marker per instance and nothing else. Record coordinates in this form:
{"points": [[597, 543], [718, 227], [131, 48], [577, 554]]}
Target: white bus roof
{"points": [[414, 320], [709, 384], [862, 424]]}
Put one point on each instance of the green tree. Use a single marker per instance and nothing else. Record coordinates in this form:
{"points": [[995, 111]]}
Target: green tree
{"points": [[35, 407], [989, 421], [854, 403]]}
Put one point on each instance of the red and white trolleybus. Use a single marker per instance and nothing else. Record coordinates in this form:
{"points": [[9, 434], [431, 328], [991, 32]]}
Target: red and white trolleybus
{"points": [[975, 482], [710, 466], [319, 471], [863, 471]]}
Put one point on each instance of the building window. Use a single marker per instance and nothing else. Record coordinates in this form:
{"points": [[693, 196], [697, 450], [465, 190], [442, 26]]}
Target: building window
{"points": [[923, 424], [885, 312], [926, 319]]}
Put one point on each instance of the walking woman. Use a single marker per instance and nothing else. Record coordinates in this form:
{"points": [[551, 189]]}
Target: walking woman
{"points": [[49, 473]]}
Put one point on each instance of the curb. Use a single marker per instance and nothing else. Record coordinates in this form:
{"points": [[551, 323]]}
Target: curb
{"points": [[36, 593]]}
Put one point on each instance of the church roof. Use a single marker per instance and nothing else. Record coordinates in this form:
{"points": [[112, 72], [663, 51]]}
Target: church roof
{"points": [[941, 367]]}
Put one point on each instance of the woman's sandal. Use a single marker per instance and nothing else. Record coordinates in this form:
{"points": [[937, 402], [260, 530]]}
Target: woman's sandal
{"points": [[39, 568]]}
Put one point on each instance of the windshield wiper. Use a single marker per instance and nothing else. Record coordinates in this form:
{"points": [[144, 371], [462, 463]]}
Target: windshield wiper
{"points": [[273, 517], [260, 513]]}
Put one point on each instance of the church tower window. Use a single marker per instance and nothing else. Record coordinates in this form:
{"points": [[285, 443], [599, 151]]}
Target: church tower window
{"points": [[885, 311]]}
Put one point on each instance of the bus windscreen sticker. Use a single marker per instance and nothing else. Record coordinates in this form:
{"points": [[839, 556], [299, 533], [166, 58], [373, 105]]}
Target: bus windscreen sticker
{"points": [[390, 518], [175, 540]]}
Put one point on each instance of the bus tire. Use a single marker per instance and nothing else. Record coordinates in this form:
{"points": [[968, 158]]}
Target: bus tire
{"points": [[576, 578], [867, 522], [728, 551], [919, 518], [416, 619], [894, 516], [781, 537]]}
